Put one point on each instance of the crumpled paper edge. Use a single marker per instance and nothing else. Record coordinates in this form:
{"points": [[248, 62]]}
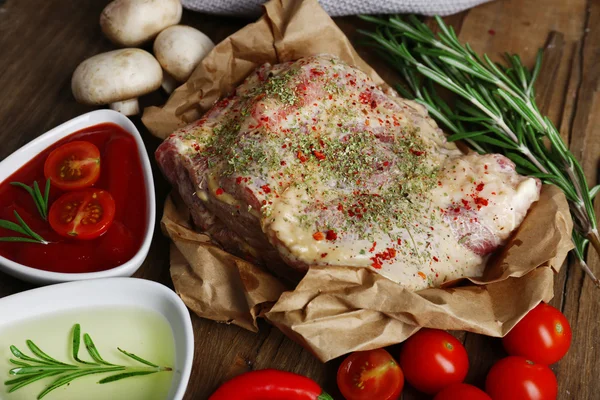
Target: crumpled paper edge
{"points": [[335, 310]]}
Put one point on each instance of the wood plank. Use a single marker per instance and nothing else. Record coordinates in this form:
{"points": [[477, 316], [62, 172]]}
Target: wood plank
{"points": [[581, 299]]}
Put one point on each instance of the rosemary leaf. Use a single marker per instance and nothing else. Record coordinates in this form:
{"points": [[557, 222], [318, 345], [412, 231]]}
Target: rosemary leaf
{"points": [[77, 343], [72, 376], [27, 379], [17, 239], [91, 348], [137, 358], [12, 226], [28, 229], [38, 352], [124, 375]]}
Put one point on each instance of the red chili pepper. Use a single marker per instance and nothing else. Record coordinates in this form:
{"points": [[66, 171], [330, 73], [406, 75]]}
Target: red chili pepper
{"points": [[270, 384]]}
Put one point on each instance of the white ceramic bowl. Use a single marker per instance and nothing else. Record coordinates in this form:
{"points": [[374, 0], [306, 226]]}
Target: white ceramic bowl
{"points": [[111, 292], [36, 146]]}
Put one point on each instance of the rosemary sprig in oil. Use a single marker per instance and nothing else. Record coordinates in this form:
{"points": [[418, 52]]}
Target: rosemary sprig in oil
{"points": [[31, 369]]}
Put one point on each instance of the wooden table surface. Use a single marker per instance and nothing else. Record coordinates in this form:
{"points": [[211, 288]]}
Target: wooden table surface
{"points": [[41, 43]]}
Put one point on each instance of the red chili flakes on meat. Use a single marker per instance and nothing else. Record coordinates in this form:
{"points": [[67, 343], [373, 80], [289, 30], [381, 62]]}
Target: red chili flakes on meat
{"points": [[376, 264], [301, 157], [365, 97], [318, 236], [319, 155], [196, 146], [331, 235], [436, 259], [466, 204], [266, 188], [480, 201], [323, 255], [373, 104], [386, 163], [282, 163], [422, 275], [219, 191], [239, 180], [340, 207], [480, 187], [417, 152], [372, 249], [317, 72]]}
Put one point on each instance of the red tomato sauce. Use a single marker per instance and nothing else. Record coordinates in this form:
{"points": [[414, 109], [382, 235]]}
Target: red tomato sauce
{"points": [[121, 174]]}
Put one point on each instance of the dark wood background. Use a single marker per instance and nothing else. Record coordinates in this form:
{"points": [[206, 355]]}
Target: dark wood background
{"points": [[41, 43]]}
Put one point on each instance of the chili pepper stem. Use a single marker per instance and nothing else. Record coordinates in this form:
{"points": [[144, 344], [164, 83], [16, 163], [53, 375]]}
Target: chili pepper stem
{"points": [[324, 396]]}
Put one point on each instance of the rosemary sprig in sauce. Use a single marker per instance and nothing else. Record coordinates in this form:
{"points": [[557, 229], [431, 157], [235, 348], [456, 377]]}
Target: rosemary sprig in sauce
{"points": [[23, 229], [497, 112], [32, 369], [41, 201]]}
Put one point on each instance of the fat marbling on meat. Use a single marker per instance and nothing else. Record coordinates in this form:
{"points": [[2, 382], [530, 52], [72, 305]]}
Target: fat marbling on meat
{"points": [[309, 163]]}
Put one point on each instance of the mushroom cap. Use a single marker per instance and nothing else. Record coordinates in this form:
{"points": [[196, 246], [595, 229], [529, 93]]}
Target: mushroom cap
{"points": [[115, 76], [129, 23], [179, 49]]}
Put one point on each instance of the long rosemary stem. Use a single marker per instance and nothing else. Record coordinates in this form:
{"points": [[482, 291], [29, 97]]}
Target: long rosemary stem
{"points": [[502, 116]]}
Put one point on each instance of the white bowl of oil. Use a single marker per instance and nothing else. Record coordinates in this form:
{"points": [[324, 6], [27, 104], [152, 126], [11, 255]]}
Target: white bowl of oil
{"points": [[139, 316]]}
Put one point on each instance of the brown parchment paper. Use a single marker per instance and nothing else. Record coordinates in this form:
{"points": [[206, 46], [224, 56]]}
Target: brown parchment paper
{"points": [[336, 310]]}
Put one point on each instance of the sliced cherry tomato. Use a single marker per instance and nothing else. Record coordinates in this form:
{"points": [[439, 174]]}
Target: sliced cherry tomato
{"points": [[74, 165], [368, 375], [84, 214], [461, 391], [432, 359], [516, 378], [543, 336]]}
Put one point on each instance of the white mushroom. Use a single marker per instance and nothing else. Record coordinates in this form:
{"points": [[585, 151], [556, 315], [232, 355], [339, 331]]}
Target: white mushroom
{"points": [[129, 23], [179, 49], [117, 78]]}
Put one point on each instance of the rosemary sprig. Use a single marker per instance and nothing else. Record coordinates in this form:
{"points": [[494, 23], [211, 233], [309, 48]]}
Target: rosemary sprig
{"points": [[496, 113], [21, 228], [41, 201], [31, 369]]}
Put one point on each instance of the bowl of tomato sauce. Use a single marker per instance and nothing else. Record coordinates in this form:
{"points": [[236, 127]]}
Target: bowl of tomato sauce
{"points": [[77, 202]]}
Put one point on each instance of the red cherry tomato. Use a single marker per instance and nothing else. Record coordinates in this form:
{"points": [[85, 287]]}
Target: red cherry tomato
{"points": [[85, 214], [461, 391], [542, 336], [74, 165], [516, 378], [368, 375], [432, 359]]}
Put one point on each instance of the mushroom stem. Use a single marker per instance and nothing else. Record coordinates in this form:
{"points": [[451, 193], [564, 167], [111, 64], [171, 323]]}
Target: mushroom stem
{"points": [[169, 84], [126, 107]]}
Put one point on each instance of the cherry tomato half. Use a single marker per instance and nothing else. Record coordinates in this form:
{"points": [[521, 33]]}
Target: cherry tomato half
{"points": [[461, 391], [84, 214], [73, 165], [543, 336], [367, 375], [516, 378], [433, 359]]}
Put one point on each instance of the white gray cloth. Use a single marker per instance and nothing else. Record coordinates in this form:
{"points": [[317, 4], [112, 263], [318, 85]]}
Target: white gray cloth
{"points": [[337, 8]]}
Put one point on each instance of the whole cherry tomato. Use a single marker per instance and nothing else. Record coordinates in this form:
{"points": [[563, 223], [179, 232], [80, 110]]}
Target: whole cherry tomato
{"points": [[543, 336], [368, 375], [516, 378], [461, 391], [432, 359]]}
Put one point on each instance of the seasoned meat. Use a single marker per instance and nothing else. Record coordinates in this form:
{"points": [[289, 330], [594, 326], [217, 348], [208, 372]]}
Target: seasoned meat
{"points": [[309, 163]]}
